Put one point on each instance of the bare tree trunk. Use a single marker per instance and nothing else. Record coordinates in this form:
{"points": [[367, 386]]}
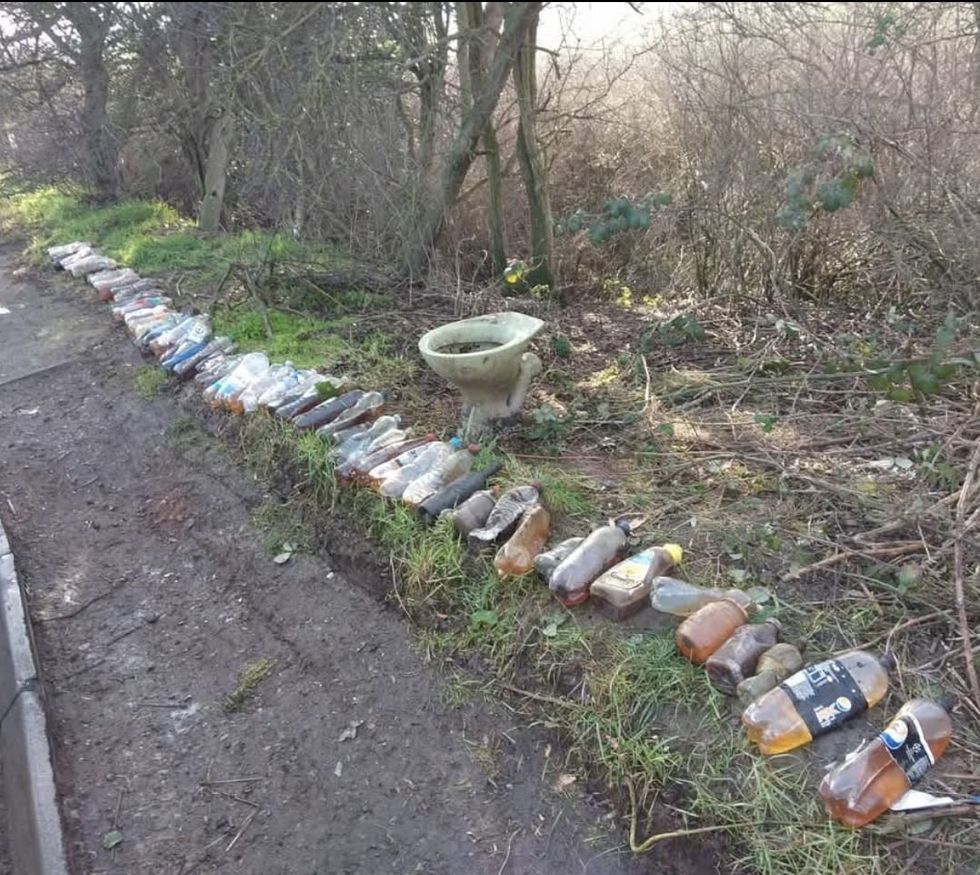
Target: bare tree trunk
{"points": [[477, 57], [533, 168], [100, 150], [471, 127], [215, 173]]}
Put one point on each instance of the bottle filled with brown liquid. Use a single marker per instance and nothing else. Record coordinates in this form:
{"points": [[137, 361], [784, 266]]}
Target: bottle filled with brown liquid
{"points": [[736, 659], [874, 777], [516, 557], [701, 634], [622, 590], [816, 700]]}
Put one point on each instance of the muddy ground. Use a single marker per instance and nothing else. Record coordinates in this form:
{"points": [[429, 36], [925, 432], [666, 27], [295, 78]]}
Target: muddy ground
{"points": [[150, 593]]}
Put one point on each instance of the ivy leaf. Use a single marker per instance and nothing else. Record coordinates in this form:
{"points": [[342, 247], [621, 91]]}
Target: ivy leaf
{"points": [[766, 421], [834, 195]]}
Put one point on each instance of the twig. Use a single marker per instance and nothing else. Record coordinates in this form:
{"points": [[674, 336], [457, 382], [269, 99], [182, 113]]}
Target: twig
{"points": [[965, 490], [510, 841], [537, 697], [644, 846], [241, 831], [915, 621], [875, 552], [646, 392], [249, 780], [80, 608]]}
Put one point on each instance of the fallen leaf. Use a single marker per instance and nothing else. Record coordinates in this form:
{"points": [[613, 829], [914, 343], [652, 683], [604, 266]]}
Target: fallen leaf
{"points": [[739, 575], [565, 781], [338, 769], [282, 558], [111, 839], [350, 733]]}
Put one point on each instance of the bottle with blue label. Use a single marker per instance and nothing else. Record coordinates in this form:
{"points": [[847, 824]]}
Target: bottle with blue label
{"points": [[876, 775], [817, 700]]}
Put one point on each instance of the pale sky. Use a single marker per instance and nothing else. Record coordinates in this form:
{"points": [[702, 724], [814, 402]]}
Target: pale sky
{"points": [[596, 23]]}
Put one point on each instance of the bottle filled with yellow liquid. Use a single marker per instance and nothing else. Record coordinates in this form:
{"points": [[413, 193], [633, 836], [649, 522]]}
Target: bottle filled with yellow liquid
{"points": [[817, 700]]}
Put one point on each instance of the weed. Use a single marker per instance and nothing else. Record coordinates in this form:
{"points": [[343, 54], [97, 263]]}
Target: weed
{"points": [[248, 681], [150, 381]]}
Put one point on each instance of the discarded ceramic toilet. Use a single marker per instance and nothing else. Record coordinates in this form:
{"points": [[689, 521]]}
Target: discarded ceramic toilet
{"points": [[486, 358]]}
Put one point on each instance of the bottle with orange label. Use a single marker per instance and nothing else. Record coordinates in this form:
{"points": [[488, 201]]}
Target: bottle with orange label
{"points": [[874, 777], [817, 700]]}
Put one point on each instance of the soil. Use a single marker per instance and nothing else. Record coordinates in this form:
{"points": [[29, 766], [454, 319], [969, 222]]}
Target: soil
{"points": [[150, 593]]}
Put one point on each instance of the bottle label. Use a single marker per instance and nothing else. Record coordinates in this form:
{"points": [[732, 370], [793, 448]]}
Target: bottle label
{"points": [[907, 744], [825, 695]]}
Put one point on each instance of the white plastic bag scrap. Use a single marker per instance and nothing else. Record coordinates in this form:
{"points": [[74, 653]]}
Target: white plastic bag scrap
{"points": [[89, 265], [56, 253]]}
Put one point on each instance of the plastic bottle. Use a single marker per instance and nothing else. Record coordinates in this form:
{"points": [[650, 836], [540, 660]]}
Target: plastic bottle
{"points": [[546, 563], [401, 476], [681, 598], [504, 517], [458, 491], [275, 395], [248, 401], [92, 263], [601, 548], [237, 378], [623, 589], [354, 443], [218, 346], [449, 471], [56, 253], [367, 408], [389, 437], [305, 397], [378, 468], [874, 777], [118, 294], [473, 512], [516, 556], [144, 302], [196, 328], [326, 411], [215, 369], [106, 279], [736, 659], [81, 252], [774, 666], [816, 700], [708, 628]]}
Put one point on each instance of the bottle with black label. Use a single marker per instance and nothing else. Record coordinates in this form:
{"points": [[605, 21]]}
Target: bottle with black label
{"points": [[816, 700], [876, 775]]}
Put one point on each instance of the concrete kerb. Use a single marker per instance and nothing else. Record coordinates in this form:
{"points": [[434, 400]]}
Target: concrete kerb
{"points": [[35, 837]]}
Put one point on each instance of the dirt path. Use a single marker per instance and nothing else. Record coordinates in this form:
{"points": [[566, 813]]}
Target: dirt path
{"points": [[150, 594]]}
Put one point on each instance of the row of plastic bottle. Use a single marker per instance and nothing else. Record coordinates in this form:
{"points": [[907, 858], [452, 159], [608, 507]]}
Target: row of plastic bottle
{"points": [[787, 705], [369, 448]]}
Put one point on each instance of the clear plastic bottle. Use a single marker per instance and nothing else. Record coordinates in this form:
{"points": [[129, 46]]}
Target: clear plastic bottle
{"points": [[441, 475], [816, 700], [453, 493], [375, 473], [353, 443], [701, 634], [736, 659], [370, 405], [274, 396], [218, 346], [146, 302], [245, 371], [248, 401], [774, 666], [105, 279], [57, 253], [681, 598], [401, 476], [473, 512], [302, 400], [602, 548], [516, 556], [546, 563], [215, 369], [874, 777], [65, 262], [197, 328], [622, 590], [504, 517], [390, 436]]}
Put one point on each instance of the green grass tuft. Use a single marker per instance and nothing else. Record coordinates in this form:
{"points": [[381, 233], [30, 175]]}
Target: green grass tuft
{"points": [[248, 681], [150, 381]]}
